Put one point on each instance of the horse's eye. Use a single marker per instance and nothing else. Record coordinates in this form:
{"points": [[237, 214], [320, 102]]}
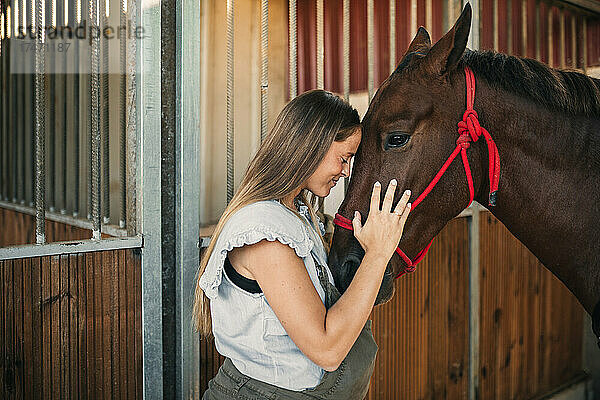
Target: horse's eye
{"points": [[396, 140]]}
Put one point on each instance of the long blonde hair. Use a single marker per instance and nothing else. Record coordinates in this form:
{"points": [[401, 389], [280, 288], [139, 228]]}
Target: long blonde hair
{"points": [[289, 155]]}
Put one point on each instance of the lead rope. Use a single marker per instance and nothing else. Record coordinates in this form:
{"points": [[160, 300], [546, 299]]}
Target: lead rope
{"points": [[469, 131]]}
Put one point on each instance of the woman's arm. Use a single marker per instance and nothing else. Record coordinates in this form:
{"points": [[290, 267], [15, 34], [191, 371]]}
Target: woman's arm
{"points": [[326, 337]]}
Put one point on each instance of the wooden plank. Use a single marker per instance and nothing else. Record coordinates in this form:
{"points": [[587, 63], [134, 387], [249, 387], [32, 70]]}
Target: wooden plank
{"points": [[2, 325], [63, 308], [37, 327], [29, 358], [18, 324], [9, 339], [74, 331], [6, 326], [91, 372], [98, 371], [123, 310], [46, 328], [136, 266], [105, 263], [115, 345], [131, 342], [53, 307], [82, 326]]}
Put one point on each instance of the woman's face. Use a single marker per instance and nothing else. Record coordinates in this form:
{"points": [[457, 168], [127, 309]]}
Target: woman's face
{"points": [[335, 165]]}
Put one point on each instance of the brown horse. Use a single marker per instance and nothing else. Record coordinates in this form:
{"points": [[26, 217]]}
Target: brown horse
{"points": [[546, 126]]}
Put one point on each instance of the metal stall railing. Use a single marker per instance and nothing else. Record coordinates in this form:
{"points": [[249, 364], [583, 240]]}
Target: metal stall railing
{"points": [[65, 106], [42, 124]]}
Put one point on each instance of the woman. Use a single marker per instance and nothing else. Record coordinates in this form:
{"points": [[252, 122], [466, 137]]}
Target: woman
{"points": [[264, 289]]}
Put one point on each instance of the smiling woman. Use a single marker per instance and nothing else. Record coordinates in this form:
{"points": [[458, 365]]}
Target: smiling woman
{"points": [[264, 289]]}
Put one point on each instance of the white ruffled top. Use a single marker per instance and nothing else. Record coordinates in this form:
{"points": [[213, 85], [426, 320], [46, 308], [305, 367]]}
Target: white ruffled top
{"points": [[245, 327]]}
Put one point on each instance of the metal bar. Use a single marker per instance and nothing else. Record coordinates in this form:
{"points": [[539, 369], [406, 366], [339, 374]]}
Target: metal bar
{"points": [[95, 117], [14, 112], [21, 101], [473, 41], [524, 23], [392, 35], [538, 32], [293, 49], [561, 24], [584, 44], [104, 115], [346, 50], [508, 26], [40, 124], [132, 222], [123, 115], [429, 16], [71, 247], [573, 43], [76, 112], [111, 230], [371, 47], [5, 106], [264, 67], [495, 25], [230, 94], [550, 38], [346, 39], [474, 299], [52, 113], [88, 120], [64, 17], [187, 215], [413, 17], [32, 128], [320, 45], [320, 73], [27, 176], [2, 89], [147, 100]]}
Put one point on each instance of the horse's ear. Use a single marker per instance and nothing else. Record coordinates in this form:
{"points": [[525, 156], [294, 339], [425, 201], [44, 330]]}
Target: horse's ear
{"points": [[421, 42], [446, 53]]}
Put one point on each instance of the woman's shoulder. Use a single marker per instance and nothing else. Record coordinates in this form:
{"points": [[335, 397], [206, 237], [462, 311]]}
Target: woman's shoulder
{"points": [[268, 215], [263, 220]]}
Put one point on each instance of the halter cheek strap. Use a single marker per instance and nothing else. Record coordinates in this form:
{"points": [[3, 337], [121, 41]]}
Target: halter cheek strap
{"points": [[469, 131]]}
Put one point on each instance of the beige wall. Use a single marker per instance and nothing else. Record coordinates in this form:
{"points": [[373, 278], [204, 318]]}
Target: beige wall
{"points": [[213, 130]]}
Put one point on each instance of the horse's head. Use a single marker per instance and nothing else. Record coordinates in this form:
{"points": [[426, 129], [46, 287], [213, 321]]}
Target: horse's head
{"points": [[409, 131]]}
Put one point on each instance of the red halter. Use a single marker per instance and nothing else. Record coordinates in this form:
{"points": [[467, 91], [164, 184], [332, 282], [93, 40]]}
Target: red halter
{"points": [[469, 131]]}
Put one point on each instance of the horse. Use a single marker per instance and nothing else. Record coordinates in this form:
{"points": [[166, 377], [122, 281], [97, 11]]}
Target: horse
{"points": [[536, 167]]}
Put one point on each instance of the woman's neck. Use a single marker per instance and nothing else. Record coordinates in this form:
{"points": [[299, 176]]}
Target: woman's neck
{"points": [[289, 199]]}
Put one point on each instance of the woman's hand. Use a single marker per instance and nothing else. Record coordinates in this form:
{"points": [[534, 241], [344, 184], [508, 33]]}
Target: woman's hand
{"points": [[383, 229]]}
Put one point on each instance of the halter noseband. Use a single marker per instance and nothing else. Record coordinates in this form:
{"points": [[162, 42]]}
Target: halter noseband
{"points": [[469, 131]]}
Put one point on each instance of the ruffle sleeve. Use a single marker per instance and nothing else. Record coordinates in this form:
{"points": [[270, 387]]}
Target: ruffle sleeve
{"points": [[253, 223]]}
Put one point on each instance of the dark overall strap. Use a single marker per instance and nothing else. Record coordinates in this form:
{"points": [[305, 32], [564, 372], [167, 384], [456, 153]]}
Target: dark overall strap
{"points": [[596, 322], [331, 293]]}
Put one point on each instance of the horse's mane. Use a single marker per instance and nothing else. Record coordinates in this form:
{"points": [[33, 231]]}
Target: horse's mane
{"points": [[568, 91]]}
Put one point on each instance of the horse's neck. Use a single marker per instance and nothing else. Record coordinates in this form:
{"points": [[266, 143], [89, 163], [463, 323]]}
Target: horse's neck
{"points": [[549, 187]]}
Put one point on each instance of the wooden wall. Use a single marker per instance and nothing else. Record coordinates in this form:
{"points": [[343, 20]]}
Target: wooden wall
{"points": [[71, 326], [17, 228], [531, 325], [423, 332], [530, 333]]}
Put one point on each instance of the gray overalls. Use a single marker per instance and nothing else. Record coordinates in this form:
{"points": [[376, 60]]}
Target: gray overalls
{"points": [[349, 382]]}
